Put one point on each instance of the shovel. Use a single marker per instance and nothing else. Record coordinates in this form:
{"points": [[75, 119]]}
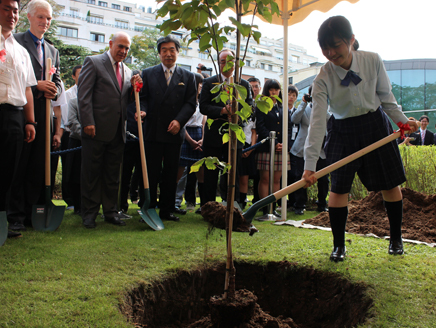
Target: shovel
{"points": [[47, 217], [148, 215], [251, 212]]}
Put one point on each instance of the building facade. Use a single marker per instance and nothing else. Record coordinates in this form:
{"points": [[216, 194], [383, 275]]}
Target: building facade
{"points": [[90, 23]]}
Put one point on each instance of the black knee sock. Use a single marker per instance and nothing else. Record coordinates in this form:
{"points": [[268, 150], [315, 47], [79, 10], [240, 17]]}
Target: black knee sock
{"points": [[338, 220], [242, 197], [395, 215]]}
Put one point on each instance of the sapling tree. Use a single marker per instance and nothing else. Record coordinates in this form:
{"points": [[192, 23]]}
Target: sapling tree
{"points": [[201, 19]]}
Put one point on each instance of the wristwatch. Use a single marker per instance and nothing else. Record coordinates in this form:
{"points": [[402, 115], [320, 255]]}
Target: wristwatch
{"points": [[32, 123]]}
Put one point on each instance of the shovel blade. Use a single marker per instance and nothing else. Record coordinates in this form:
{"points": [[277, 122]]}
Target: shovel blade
{"points": [[47, 217], [3, 228], [149, 215]]}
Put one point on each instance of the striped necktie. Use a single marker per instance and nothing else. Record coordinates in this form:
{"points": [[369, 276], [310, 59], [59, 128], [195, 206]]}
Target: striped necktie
{"points": [[40, 56], [168, 76]]}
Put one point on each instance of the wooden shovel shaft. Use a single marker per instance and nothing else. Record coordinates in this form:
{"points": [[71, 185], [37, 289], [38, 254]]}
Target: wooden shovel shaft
{"points": [[141, 142], [300, 184], [47, 127]]}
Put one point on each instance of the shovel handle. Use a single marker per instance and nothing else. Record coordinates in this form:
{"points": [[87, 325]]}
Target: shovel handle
{"points": [[141, 142], [47, 126]]}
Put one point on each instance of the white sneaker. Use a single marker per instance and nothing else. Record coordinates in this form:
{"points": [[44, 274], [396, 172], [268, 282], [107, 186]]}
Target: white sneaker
{"points": [[190, 206]]}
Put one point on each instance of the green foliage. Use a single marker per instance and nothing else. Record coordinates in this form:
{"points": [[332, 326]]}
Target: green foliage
{"points": [[144, 49]]}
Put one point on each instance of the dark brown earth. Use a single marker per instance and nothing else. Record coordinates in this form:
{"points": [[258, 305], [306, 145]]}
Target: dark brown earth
{"points": [[369, 216], [215, 214], [287, 295]]}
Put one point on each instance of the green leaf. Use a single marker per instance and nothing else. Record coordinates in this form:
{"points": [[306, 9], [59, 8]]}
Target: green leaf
{"points": [[241, 90], [277, 98], [216, 88], [197, 165], [266, 14], [209, 122], [226, 138], [256, 36], [163, 11], [240, 135], [224, 96], [241, 63], [217, 10], [246, 4], [230, 3], [204, 42], [211, 162], [228, 29]]}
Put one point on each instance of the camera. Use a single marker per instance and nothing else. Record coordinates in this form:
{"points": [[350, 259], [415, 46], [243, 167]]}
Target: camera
{"points": [[204, 68], [307, 97]]}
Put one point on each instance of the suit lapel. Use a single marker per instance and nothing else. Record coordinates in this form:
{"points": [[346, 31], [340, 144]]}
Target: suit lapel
{"points": [[108, 65], [175, 80], [160, 77], [30, 46]]}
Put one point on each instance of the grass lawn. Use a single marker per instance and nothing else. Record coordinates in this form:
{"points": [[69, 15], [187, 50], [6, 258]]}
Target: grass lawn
{"points": [[76, 277]]}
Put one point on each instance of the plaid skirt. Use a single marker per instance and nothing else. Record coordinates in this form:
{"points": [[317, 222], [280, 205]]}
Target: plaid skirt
{"points": [[262, 160], [188, 155], [381, 169]]}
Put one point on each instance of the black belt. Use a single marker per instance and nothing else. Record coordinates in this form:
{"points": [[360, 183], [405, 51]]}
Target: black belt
{"points": [[10, 107]]}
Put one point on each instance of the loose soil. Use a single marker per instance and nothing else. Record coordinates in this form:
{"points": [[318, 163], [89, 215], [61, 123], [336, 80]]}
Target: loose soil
{"points": [[282, 295], [369, 216], [215, 214]]}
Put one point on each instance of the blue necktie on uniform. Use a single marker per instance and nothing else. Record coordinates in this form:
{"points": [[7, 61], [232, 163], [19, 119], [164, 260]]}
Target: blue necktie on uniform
{"points": [[351, 76]]}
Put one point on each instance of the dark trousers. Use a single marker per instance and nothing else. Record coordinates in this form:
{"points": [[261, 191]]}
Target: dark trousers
{"points": [[54, 167], [162, 166], [292, 177], [131, 160], [100, 176], [191, 183], [29, 183], [323, 185], [74, 173], [211, 176], [11, 144]]}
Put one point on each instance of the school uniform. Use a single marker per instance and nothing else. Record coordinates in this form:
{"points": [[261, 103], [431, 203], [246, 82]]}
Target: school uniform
{"points": [[358, 120]]}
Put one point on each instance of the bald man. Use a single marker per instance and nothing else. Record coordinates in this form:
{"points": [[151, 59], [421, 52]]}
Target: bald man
{"points": [[103, 94]]}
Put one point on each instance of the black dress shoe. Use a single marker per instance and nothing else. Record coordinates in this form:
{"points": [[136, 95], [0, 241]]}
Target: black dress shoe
{"points": [[338, 254], [198, 211], [16, 226], [299, 211], [13, 234], [89, 224], [115, 221], [322, 209], [396, 247], [170, 217], [178, 210]]}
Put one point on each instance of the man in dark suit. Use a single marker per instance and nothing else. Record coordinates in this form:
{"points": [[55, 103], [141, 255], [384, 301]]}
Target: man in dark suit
{"points": [[28, 187], [103, 94], [169, 98], [423, 137], [212, 141]]}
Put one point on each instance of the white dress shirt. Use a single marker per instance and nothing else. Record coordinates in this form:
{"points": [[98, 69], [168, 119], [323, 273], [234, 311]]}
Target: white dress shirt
{"points": [[19, 66], [354, 100]]}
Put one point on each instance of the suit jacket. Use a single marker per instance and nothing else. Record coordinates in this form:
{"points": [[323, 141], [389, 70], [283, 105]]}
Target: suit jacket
{"points": [[270, 122], [26, 41], [164, 103], [302, 117], [212, 109], [101, 102], [428, 139], [73, 120]]}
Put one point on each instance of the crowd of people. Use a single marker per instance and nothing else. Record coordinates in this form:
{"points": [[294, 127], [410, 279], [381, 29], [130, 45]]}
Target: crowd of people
{"points": [[339, 116]]}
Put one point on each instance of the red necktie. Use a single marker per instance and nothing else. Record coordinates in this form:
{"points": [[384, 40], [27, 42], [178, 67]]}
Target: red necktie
{"points": [[120, 80]]}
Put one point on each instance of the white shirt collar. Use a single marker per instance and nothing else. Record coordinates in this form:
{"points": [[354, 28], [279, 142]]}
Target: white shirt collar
{"points": [[113, 60], [172, 69], [342, 72]]}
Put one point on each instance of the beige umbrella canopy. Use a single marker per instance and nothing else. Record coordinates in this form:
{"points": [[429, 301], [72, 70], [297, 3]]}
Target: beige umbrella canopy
{"points": [[293, 12]]}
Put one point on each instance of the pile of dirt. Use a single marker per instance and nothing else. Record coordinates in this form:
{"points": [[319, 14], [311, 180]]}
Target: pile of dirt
{"points": [[285, 295], [215, 214], [369, 216]]}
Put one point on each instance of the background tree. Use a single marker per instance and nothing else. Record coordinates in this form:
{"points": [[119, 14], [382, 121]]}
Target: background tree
{"points": [[144, 50]]}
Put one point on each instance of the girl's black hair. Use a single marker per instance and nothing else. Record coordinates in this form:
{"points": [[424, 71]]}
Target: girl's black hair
{"points": [[336, 26], [271, 84]]}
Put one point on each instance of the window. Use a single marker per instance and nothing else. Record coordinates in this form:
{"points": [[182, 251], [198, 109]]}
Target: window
{"points": [[184, 52], [95, 19], [129, 9], [121, 24], [248, 63], [102, 3], [67, 31], [149, 10], [203, 55], [91, 2], [74, 12], [262, 65], [269, 67], [139, 28], [115, 6], [97, 37]]}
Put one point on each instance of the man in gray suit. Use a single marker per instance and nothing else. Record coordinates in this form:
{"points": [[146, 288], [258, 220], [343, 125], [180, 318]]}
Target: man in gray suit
{"points": [[103, 94]]}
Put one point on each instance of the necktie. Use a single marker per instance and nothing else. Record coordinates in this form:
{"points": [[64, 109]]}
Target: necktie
{"points": [[351, 76], [40, 57], [168, 76], [120, 80], [422, 136]]}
